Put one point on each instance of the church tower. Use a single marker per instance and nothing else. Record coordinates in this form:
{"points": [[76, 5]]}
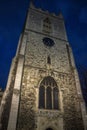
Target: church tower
{"points": [[43, 90]]}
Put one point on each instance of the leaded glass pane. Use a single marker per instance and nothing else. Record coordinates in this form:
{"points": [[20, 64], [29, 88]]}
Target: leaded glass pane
{"points": [[49, 98], [42, 97], [55, 98]]}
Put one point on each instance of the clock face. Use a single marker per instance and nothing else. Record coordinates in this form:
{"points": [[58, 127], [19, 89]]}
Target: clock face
{"points": [[48, 41]]}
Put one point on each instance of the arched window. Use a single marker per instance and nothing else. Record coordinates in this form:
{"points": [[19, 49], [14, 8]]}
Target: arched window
{"points": [[47, 25], [48, 94], [48, 60]]}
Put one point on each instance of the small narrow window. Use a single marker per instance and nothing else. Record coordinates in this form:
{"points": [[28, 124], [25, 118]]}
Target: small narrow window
{"points": [[48, 60]]}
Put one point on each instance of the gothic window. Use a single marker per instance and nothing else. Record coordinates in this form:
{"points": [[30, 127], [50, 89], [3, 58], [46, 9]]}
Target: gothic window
{"points": [[47, 25], [48, 94]]}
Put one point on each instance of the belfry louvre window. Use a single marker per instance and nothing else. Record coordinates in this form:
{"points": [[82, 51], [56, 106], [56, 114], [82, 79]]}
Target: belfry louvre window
{"points": [[47, 25], [48, 94]]}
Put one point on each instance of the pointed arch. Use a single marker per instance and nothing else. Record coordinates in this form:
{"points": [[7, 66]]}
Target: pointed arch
{"points": [[48, 94], [48, 60]]}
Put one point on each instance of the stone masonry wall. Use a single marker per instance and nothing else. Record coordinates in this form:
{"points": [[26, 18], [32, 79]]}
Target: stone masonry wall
{"points": [[35, 23], [30, 117], [37, 53], [1, 94], [7, 105], [36, 68]]}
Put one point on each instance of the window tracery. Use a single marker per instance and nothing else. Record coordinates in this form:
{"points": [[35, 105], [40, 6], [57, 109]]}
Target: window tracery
{"points": [[48, 94]]}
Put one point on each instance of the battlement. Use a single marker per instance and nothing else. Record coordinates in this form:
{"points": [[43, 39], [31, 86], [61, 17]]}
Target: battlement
{"points": [[47, 12]]}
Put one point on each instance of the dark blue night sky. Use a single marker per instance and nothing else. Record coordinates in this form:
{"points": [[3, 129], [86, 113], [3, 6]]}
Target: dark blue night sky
{"points": [[12, 17]]}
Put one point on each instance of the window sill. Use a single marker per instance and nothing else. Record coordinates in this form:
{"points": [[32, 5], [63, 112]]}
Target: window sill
{"points": [[50, 113]]}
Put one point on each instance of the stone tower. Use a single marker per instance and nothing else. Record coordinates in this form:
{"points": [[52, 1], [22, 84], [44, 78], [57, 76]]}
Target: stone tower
{"points": [[43, 90]]}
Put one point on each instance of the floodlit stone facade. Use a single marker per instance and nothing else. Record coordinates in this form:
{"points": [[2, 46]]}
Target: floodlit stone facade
{"points": [[43, 53], [1, 94]]}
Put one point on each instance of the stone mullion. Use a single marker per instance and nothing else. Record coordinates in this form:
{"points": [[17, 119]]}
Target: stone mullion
{"points": [[52, 98], [45, 98], [52, 95]]}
